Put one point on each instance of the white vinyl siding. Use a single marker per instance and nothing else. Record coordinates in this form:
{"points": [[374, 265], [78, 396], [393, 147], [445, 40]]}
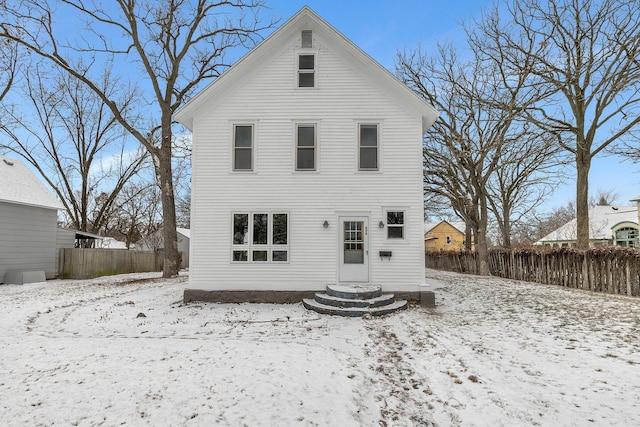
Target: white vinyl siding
{"points": [[345, 99]]}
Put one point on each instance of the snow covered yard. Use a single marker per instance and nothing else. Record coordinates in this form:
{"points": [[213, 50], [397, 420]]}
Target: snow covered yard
{"points": [[494, 352]]}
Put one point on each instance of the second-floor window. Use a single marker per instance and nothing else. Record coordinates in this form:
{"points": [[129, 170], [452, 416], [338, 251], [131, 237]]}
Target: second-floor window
{"points": [[243, 148], [305, 147], [368, 147]]}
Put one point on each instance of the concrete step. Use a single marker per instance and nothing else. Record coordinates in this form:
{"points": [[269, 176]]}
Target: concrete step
{"points": [[331, 300], [312, 304], [354, 291]]}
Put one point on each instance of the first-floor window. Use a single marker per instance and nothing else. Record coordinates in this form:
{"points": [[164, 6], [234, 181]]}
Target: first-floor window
{"points": [[395, 225], [260, 237]]}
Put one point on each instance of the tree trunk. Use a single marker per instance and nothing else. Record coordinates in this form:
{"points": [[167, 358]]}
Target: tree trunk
{"points": [[482, 246], [164, 174], [583, 164]]}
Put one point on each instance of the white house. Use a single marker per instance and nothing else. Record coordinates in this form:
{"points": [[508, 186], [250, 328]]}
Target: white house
{"points": [[307, 171], [608, 225], [28, 225]]}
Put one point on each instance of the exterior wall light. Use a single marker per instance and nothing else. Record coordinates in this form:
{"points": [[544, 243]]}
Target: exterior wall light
{"points": [[325, 224], [381, 224]]}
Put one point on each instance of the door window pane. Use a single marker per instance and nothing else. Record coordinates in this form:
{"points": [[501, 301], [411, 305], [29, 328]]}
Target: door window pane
{"points": [[353, 242]]}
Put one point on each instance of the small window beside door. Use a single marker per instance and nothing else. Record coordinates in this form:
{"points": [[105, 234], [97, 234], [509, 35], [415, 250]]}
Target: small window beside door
{"points": [[395, 224]]}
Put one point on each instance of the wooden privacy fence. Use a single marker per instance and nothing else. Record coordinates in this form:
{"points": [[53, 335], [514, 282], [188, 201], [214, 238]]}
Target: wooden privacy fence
{"points": [[612, 270], [90, 263]]}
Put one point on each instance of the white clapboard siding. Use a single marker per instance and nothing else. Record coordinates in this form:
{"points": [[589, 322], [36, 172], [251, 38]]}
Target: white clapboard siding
{"points": [[27, 239], [269, 99]]}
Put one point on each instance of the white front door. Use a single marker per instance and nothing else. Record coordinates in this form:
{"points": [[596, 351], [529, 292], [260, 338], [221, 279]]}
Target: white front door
{"points": [[354, 249]]}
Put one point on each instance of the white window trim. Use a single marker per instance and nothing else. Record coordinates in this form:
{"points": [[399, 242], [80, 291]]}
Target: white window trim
{"points": [[249, 247], [298, 53], [315, 146], [405, 235], [360, 123], [254, 139]]}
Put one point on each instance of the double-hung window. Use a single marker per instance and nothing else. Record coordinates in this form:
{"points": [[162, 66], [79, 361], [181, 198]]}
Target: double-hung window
{"points": [[395, 224], [242, 147], [305, 147], [306, 70], [260, 237], [368, 142]]}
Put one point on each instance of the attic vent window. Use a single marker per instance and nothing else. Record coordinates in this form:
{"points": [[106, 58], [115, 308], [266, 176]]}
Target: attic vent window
{"points": [[307, 39], [7, 162]]}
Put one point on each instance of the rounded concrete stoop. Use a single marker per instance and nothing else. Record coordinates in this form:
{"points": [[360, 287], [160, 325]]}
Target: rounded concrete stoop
{"points": [[354, 301]]}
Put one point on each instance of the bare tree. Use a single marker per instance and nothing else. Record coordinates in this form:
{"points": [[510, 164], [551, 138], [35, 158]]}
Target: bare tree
{"points": [[586, 53], [75, 143], [478, 127], [138, 213], [604, 197], [177, 44], [527, 174], [8, 66]]}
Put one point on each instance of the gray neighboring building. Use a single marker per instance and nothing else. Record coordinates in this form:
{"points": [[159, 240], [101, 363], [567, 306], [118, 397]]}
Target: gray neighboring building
{"points": [[28, 222]]}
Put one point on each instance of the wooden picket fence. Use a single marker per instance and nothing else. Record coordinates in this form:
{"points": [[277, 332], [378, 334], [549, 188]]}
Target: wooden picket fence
{"points": [[610, 269]]}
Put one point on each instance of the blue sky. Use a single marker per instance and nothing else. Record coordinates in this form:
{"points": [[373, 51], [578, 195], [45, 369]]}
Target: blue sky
{"points": [[381, 28]]}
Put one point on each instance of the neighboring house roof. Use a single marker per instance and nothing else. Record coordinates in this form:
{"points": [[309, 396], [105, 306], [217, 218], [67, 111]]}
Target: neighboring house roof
{"points": [[20, 186], [222, 87], [184, 231], [601, 220], [110, 243], [458, 225]]}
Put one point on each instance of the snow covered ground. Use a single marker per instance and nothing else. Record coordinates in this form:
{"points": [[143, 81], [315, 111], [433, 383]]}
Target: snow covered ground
{"points": [[494, 352]]}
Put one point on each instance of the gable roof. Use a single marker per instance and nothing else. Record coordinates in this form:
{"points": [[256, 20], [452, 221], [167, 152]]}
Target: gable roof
{"points": [[458, 225], [20, 186], [306, 18], [601, 220]]}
